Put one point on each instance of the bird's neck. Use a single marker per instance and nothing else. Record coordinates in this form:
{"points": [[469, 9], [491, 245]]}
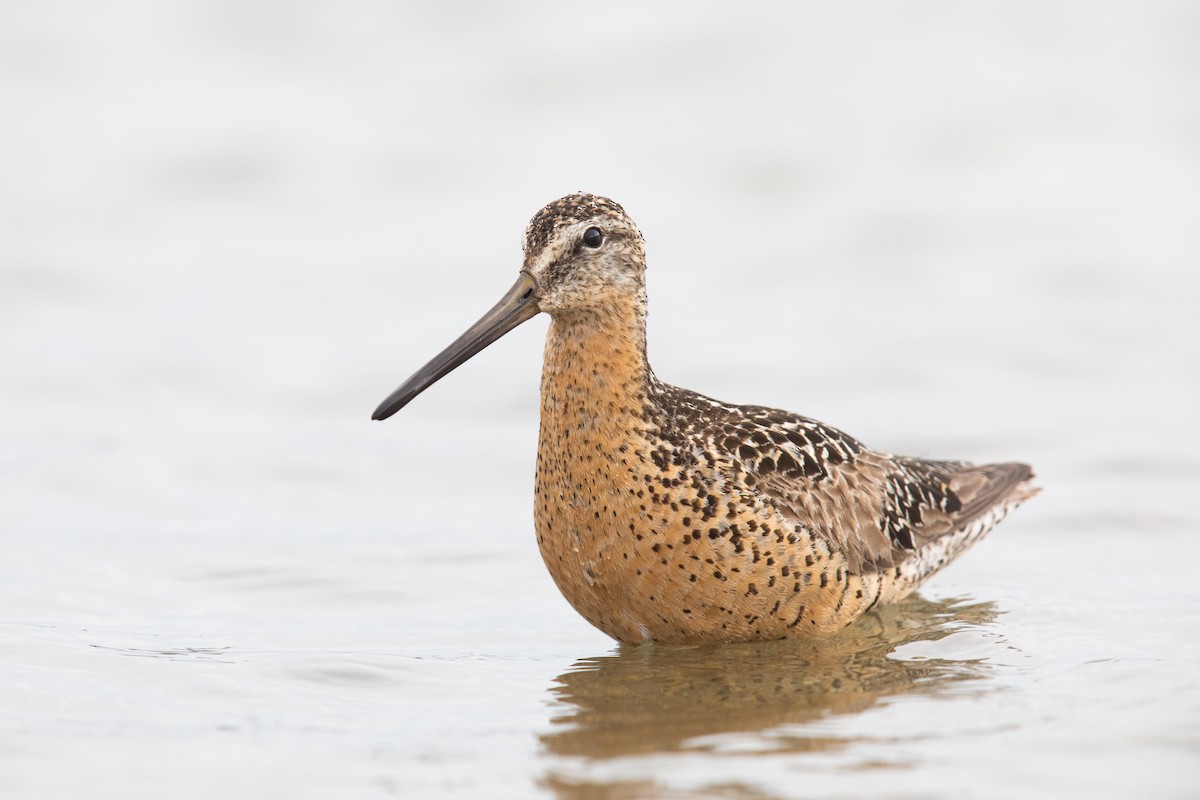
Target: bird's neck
{"points": [[595, 376], [596, 434]]}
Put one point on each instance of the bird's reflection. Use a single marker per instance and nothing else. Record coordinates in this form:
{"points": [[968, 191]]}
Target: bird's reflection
{"points": [[661, 699]]}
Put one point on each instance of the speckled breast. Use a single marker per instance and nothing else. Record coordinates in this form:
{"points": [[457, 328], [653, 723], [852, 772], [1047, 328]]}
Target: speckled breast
{"points": [[649, 541]]}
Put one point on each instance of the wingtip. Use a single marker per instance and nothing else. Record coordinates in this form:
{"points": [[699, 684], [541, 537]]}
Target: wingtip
{"points": [[1020, 479], [1025, 491]]}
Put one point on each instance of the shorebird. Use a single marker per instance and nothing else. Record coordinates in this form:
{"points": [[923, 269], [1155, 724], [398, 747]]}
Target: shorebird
{"points": [[664, 515]]}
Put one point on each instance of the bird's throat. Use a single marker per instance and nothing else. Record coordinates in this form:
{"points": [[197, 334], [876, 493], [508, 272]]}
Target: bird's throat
{"points": [[595, 377]]}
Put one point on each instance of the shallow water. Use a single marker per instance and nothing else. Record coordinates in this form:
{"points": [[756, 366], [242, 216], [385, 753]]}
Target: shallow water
{"points": [[227, 230]]}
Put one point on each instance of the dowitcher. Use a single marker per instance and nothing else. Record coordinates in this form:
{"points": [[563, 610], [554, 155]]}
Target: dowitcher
{"points": [[665, 515]]}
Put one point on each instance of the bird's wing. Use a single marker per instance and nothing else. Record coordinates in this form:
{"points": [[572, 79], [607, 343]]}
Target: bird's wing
{"points": [[878, 509], [874, 508]]}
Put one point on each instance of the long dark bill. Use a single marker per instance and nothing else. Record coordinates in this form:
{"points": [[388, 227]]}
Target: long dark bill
{"points": [[517, 306]]}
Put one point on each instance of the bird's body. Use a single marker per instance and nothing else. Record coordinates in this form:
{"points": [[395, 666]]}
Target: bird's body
{"points": [[665, 515]]}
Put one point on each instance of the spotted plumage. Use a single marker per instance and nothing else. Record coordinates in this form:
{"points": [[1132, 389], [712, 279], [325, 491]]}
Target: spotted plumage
{"points": [[665, 515]]}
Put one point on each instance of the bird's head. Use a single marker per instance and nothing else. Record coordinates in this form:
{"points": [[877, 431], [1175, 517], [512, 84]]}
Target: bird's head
{"points": [[582, 255]]}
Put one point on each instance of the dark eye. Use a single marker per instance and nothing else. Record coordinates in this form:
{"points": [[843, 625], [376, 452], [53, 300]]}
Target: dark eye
{"points": [[592, 237]]}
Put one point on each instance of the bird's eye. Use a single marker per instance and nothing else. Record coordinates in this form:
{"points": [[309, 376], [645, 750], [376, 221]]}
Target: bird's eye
{"points": [[592, 237]]}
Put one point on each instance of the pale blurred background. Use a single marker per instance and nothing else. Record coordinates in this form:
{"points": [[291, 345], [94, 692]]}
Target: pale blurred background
{"points": [[229, 229]]}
